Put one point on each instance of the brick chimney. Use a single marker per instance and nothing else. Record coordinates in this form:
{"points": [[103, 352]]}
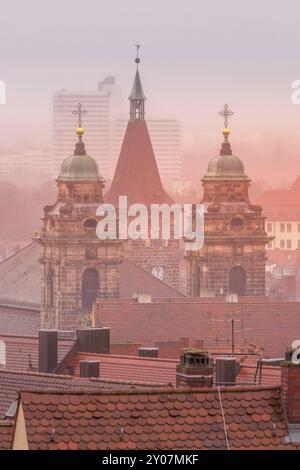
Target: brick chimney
{"points": [[93, 340], [195, 369], [290, 385], [225, 370], [148, 352], [89, 369], [48, 341]]}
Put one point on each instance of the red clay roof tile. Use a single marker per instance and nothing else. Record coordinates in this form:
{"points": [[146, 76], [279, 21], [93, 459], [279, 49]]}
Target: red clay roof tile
{"points": [[152, 424]]}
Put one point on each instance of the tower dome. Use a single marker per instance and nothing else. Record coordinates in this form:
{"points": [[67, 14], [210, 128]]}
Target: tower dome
{"points": [[226, 166], [80, 166]]}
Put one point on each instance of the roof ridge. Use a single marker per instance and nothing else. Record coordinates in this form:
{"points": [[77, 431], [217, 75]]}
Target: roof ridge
{"points": [[17, 252], [35, 373], [127, 356], [163, 390]]}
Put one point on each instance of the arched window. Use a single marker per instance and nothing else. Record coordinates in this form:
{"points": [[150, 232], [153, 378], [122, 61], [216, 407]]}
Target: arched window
{"points": [[2, 354], [50, 288], [90, 288], [90, 224], [196, 282], [237, 280]]}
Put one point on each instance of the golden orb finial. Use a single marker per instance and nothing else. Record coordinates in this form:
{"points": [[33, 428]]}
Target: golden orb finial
{"points": [[80, 131], [226, 131]]}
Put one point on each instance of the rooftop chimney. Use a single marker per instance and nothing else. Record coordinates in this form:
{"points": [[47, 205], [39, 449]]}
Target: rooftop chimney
{"points": [[195, 369], [290, 385], [148, 352], [225, 371], [89, 369], [47, 350], [94, 340]]}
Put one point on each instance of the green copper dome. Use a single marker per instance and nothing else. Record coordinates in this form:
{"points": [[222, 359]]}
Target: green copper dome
{"points": [[79, 168], [225, 167]]}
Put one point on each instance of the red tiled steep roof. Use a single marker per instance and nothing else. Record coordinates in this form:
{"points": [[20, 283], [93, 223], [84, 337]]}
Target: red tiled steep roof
{"points": [[22, 351], [12, 382], [136, 174], [282, 204], [141, 369], [6, 434], [158, 419], [269, 327]]}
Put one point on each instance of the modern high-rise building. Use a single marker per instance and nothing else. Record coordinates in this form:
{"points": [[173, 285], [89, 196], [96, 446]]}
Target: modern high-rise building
{"points": [[102, 107], [105, 130], [165, 134], [32, 162]]}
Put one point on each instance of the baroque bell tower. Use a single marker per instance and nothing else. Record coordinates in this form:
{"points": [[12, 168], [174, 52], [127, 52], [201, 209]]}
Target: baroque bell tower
{"points": [[233, 257], [76, 266]]}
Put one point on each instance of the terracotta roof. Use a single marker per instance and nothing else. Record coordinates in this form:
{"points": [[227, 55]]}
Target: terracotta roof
{"points": [[269, 327], [271, 375], [6, 434], [22, 350], [286, 258], [169, 419], [282, 204], [161, 371], [136, 174], [141, 369], [12, 382]]}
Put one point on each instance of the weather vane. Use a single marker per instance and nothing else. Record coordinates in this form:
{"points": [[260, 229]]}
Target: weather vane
{"points": [[137, 59], [80, 112], [226, 113]]}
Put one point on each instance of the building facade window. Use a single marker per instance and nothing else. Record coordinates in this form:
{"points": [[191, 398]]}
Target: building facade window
{"points": [[282, 227], [237, 280], [90, 288], [269, 227], [289, 227], [289, 244], [282, 243], [298, 227]]}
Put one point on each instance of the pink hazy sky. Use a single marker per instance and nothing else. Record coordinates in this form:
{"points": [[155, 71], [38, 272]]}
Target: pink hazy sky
{"points": [[195, 56]]}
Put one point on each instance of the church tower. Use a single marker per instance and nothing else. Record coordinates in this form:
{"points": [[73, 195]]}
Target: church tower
{"points": [[76, 266], [137, 177], [233, 257]]}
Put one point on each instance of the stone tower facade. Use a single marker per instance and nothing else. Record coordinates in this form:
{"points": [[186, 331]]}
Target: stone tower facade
{"points": [[76, 266], [233, 257], [137, 177]]}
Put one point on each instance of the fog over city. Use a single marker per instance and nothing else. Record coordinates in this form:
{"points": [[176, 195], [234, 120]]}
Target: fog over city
{"points": [[195, 56]]}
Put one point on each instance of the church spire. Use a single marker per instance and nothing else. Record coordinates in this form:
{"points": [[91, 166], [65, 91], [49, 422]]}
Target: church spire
{"points": [[226, 147], [137, 97]]}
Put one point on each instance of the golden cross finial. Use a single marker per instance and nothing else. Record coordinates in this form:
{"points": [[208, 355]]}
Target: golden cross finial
{"points": [[137, 59], [226, 113], [80, 112]]}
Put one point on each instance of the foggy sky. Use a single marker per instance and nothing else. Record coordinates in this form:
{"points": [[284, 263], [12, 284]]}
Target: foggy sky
{"points": [[195, 56]]}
